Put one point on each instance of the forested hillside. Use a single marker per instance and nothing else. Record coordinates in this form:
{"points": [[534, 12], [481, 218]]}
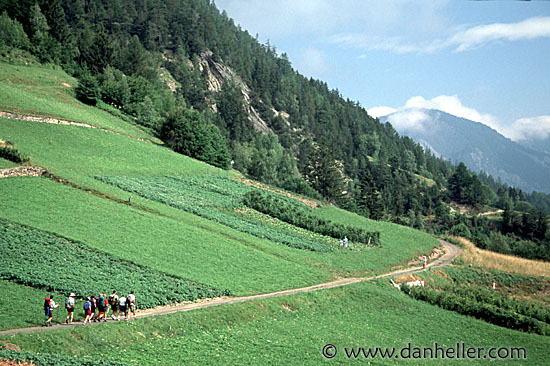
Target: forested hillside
{"points": [[210, 90]]}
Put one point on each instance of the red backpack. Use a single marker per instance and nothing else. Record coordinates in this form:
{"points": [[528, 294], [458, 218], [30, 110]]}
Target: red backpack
{"points": [[47, 302]]}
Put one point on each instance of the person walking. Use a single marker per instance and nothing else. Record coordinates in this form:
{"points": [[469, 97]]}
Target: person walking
{"points": [[113, 301], [122, 306], [87, 311], [94, 306], [424, 261], [100, 304], [345, 242], [69, 305], [49, 305], [132, 303]]}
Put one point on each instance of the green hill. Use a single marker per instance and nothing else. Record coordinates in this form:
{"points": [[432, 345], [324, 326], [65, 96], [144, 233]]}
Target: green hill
{"points": [[118, 208]]}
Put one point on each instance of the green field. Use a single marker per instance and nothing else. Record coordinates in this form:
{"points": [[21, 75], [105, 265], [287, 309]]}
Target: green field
{"points": [[6, 164], [48, 91], [43, 260], [22, 306], [288, 330]]}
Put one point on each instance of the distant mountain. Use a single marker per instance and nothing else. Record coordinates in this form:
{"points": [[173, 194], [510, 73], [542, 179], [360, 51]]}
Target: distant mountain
{"points": [[540, 145], [478, 146]]}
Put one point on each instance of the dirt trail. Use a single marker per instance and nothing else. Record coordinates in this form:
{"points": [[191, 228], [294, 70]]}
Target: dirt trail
{"points": [[57, 121], [451, 252], [23, 171]]}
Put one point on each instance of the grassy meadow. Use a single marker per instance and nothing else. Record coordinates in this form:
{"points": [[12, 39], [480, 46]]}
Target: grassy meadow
{"points": [[48, 91], [291, 330], [6, 164], [487, 259]]}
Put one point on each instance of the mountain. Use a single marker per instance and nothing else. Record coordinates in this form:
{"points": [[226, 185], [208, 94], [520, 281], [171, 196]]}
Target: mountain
{"points": [[477, 145]]}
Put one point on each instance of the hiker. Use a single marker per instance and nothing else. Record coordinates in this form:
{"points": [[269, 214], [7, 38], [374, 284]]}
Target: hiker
{"points": [[100, 304], [494, 284], [132, 303], [341, 243], [69, 305], [424, 261], [93, 307], [122, 306], [345, 241], [87, 311], [113, 301], [105, 306], [49, 305]]}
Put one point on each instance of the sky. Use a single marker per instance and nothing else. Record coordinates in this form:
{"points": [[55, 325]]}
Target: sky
{"points": [[488, 61]]}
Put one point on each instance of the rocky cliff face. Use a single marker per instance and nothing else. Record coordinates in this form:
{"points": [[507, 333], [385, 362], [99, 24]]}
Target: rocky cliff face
{"points": [[217, 73]]}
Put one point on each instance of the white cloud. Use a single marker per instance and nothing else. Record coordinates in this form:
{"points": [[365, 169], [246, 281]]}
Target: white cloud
{"points": [[451, 104], [380, 111], [447, 103], [477, 36], [462, 40], [411, 117], [535, 128]]}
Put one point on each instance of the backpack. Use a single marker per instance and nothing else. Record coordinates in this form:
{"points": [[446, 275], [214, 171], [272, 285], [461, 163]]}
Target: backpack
{"points": [[68, 303], [112, 300], [86, 305], [47, 302]]}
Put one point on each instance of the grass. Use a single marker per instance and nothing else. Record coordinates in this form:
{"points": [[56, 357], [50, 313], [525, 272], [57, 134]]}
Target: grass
{"points": [[48, 91], [502, 262], [22, 306], [192, 247], [78, 153], [287, 330], [7, 164], [43, 260], [188, 246]]}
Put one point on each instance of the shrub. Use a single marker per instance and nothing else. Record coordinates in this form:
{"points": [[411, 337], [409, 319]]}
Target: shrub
{"points": [[12, 154], [298, 216], [87, 90]]}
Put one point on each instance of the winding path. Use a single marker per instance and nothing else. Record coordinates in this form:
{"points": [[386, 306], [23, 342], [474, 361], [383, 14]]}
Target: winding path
{"points": [[451, 252]]}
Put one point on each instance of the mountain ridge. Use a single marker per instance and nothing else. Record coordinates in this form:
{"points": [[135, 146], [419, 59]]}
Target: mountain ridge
{"points": [[479, 146]]}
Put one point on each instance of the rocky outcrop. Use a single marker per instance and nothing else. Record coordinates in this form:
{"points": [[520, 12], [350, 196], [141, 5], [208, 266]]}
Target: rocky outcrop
{"points": [[217, 72], [23, 171]]}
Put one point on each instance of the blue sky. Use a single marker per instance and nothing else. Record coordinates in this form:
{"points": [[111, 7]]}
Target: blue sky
{"points": [[488, 61]]}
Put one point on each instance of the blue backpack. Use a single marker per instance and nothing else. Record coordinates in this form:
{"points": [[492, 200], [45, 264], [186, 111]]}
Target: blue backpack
{"points": [[86, 305]]}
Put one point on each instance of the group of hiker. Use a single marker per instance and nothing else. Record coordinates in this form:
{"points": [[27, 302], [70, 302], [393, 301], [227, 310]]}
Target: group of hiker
{"points": [[123, 305]]}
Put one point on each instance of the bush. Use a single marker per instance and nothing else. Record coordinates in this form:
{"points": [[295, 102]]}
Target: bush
{"points": [[487, 305], [12, 154], [87, 90], [295, 215], [461, 230]]}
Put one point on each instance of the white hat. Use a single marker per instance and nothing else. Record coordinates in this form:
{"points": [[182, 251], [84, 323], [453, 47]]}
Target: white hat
{"points": [[72, 294]]}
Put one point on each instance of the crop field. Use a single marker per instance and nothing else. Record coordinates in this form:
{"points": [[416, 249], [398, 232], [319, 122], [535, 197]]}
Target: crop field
{"points": [[48, 91], [45, 261], [214, 198], [189, 247], [289, 330], [54, 360]]}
